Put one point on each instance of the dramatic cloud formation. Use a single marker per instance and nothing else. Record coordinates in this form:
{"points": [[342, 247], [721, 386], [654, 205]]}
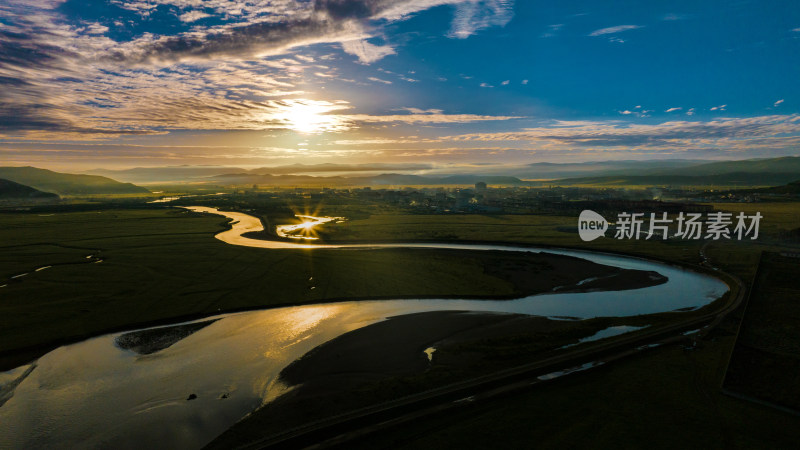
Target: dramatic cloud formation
{"points": [[225, 81], [63, 78]]}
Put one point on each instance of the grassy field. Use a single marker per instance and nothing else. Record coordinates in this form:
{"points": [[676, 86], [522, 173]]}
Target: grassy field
{"points": [[665, 399], [559, 231], [159, 264], [766, 359], [163, 263], [114, 269]]}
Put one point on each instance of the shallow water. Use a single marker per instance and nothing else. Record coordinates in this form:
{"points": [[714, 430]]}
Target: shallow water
{"points": [[95, 394]]}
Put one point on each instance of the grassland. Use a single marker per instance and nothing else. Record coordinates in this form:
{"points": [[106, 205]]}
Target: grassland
{"points": [[665, 399], [766, 358], [111, 269], [161, 264], [669, 397]]}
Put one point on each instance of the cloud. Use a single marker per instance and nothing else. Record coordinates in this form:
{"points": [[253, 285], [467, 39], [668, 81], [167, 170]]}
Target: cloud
{"points": [[294, 24], [777, 103], [690, 112], [471, 17], [738, 133], [718, 108], [193, 16], [613, 30], [524, 81], [427, 117], [505, 83], [378, 80], [552, 30], [367, 53], [65, 78], [486, 85], [673, 109]]}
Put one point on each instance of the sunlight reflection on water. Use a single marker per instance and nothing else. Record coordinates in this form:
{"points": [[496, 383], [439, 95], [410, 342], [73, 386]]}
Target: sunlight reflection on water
{"points": [[96, 394]]}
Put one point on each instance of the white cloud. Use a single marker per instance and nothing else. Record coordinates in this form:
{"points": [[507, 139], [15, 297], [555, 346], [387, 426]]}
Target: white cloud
{"points": [[378, 80], [504, 83], [731, 134], [473, 16], [426, 117], [552, 30], [192, 16], [690, 112], [778, 102], [673, 109], [367, 53], [612, 30], [524, 81], [719, 108], [486, 85]]}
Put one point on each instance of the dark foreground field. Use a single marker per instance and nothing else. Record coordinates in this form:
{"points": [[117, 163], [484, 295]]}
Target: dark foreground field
{"points": [[154, 266], [107, 270], [766, 359]]}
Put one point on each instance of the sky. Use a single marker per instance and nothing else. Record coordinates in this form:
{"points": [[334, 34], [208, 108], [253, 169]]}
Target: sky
{"points": [[447, 85]]}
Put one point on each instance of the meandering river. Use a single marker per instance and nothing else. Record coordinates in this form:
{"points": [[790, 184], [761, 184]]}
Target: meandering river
{"points": [[97, 394]]}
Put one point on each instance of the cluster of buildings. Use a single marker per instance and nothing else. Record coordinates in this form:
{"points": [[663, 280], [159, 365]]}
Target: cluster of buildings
{"points": [[481, 198]]}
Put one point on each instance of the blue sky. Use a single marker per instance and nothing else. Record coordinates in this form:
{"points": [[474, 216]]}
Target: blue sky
{"points": [[448, 83]]}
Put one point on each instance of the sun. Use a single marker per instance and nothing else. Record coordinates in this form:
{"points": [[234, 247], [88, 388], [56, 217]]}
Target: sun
{"points": [[309, 116], [305, 118]]}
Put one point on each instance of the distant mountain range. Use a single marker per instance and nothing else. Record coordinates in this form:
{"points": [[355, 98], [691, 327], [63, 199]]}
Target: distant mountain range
{"points": [[726, 179], [165, 175], [67, 183], [386, 179], [752, 172], [551, 171], [10, 190], [183, 174]]}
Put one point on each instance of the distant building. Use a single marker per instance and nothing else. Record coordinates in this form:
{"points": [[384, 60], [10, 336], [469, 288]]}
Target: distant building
{"points": [[480, 186]]}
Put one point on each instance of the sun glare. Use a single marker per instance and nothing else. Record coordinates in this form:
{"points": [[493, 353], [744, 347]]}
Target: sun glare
{"points": [[309, 116]]}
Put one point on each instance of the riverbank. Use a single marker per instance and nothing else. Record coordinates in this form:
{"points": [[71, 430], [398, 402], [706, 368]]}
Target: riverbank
{"points": [[164, 266], [408, 354]]}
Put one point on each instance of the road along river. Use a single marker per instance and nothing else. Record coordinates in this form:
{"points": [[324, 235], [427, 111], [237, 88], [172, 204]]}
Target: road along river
{"points": [[179, 386]]}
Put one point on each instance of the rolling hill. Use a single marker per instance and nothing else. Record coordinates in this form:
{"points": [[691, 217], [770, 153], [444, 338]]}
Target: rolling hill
{"points": [[728, 179], [786, 164], [67, 183], [750, 172], [10, 190]]}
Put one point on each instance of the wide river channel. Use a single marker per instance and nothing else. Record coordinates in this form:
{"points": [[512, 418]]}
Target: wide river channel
{"points": [[95, 394]]}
